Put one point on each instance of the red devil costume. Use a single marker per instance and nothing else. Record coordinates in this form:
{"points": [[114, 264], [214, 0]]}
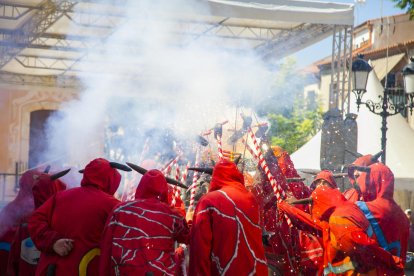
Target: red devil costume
{"points": [[24, 256], [15, 213], [346, 233], [78, 214], [354, 193], [226, 238], [286, 247], [139, 237], [298, 189], [389, 223]]}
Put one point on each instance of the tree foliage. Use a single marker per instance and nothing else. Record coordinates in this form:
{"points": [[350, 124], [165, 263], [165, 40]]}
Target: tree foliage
{"points": [[293, 121], [407, 5], [293, 130]]}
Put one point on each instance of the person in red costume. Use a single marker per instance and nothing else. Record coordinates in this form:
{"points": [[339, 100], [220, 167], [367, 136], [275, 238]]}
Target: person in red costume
{"points": [[139, 236], [24, 256], [298, 188], [67, 228], [388, 221], [226, 238], [354, 193], [15, 213], [285, 247], [349, 248]]}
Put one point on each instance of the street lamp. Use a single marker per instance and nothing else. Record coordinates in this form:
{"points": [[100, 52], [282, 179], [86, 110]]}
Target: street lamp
{"points": [[385, 107]]}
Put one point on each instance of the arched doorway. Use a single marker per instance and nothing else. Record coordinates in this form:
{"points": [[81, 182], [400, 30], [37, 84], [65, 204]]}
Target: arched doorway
{"points": [[38, 136]]}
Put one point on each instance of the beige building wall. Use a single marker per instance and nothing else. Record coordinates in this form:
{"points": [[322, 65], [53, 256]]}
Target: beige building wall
{"points": [[17, 102]]}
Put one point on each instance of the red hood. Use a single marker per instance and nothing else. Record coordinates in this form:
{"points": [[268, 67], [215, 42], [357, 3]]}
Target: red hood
{"points": [[363, 161], [379, 183], [325, 200], [327, 176], [44, 188], [100, 174], [152, 185], [226, 174], [26, 182], [286, 165]]}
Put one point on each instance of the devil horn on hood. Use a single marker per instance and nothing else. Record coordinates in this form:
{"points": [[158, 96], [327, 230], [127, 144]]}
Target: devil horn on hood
{"points": [[354, 153], [59, 174], [141, 170], [338, 175], [201, 140], [204, 170], [120, 166], [360, 168], [375, 157], [301, 201], [237, 160], [310, 171], [47, 169], [295, 179]]}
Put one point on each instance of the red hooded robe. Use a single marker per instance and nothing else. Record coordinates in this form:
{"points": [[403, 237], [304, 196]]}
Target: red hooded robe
{"points": [[139, 236], [15, 213], [226, 238], [346, 237], [354, 193], [390, 224], [24, 256], [79, 214]]}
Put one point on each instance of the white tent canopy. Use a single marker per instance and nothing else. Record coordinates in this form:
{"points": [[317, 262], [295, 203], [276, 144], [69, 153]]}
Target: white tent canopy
{"points": [[400, 137]]}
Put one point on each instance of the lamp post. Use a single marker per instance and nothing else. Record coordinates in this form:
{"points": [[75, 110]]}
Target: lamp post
{"points": [[385, 107]]}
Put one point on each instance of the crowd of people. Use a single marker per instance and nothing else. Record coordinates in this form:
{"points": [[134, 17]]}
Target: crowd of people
{"points": [[242, 225]]}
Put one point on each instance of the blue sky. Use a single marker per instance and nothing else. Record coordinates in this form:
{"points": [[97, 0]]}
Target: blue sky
{"points": [[368, 9]]}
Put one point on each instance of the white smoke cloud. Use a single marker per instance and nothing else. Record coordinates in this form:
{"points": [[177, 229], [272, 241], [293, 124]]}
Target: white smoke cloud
{"points": [[147, 76]]}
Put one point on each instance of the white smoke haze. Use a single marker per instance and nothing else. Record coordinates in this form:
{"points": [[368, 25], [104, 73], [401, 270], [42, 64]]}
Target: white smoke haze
{"points": [[149, 77]]}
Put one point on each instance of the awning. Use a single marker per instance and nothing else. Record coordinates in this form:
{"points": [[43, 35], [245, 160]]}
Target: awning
{"points": [[383, 66]]}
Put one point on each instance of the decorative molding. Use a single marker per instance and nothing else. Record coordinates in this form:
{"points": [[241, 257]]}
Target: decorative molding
{"points": [[19, 128]]}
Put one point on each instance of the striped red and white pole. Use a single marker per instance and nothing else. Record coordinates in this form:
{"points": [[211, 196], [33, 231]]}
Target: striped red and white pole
{"points": [[167, 168], [195, 177], [185, 173], [219, 147], [280, 194], [176, 189]]}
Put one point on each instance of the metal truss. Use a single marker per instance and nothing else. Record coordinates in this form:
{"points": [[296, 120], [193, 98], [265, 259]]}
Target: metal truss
{"points": [[340, 87], [283, 44], [51, 81], [45, 62], [48, 13], [11, 11]]}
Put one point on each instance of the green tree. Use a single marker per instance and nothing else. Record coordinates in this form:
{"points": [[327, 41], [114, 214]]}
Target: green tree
{"points": [[293, 130], [293, 121], [407, 5]]}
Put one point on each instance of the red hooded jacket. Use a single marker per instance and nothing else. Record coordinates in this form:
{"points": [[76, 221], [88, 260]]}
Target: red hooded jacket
{"points": [[354, 193], [390, 224], [287, 245], [226, 238], [15, 213], [24, 256], [298, 189], [139, 236], [79, 214], [346, 234]]}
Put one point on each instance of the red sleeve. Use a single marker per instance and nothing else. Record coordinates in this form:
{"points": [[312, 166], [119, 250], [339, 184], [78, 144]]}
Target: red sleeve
{"points": [[14, 255], [182, 231], [371, 253], [201, 239], [301, 219], [42, 234], [105, 268]]}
